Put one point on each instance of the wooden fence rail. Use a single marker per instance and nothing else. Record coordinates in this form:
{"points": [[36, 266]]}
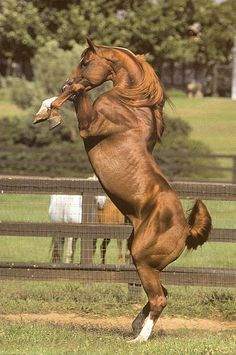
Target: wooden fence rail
{"points": [[88, 230]]}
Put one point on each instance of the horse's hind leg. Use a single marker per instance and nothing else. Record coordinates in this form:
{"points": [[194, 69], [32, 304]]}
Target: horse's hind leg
{"points": [[119, 250], [146, 256], [57, 249], [71, 246], [103, 249], [138, 322], [74, 241], [147, 318]]}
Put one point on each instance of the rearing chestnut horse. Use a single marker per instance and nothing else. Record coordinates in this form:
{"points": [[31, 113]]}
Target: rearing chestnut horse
{"points": [[119, 131]]}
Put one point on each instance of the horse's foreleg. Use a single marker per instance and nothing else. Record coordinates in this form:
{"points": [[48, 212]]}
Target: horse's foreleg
{"points": [[50, 107], [74, 241]]}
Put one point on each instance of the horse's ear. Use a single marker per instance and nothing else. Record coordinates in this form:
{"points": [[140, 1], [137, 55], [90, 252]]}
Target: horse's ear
{"points": [[91, 44]]}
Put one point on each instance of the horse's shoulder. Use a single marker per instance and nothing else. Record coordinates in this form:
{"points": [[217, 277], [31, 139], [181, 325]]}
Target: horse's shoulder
{"points": [[104, 99], [106, 104]]}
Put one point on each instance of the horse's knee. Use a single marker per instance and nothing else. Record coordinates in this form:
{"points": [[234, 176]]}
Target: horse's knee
{"points": [[137, 254], [158, 304], [94, 246]]}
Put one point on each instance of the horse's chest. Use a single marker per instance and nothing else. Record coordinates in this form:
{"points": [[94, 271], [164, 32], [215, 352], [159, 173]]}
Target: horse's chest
{"points": [[110, 165], [107, 159]]}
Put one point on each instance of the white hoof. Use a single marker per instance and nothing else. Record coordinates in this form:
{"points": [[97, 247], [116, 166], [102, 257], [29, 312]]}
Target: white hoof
{"points": [[139, 339], [45, 110], [145, 332]]}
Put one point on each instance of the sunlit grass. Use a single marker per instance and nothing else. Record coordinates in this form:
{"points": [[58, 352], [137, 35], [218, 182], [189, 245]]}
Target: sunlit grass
{"points": [[212, 121], [109, 299], [36, 338]]}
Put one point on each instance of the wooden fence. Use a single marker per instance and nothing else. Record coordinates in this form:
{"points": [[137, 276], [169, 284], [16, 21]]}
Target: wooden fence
{"points": [[88, 230]]}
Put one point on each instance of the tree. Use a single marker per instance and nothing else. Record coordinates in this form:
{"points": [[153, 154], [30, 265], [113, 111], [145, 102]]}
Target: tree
{"points": [[21, 32]]}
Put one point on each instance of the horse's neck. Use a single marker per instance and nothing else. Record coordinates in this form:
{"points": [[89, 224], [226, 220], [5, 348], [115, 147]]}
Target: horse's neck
{"points": [[126, 71], [83, 108]]}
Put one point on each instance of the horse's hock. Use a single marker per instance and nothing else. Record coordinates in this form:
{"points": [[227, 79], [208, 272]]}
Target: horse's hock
{"points": [[26, 235]]}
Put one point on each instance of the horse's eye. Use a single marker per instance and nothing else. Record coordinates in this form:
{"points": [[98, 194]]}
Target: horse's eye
{"points": [[84, 63]]}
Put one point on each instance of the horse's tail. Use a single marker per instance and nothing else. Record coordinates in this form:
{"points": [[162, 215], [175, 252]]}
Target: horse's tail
{"points": [[199, 221]]}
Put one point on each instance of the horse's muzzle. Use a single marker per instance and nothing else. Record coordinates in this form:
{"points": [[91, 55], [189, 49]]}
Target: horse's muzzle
{"points": [[66, 86]]}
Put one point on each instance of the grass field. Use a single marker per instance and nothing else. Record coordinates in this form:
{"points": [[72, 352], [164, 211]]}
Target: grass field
{"points": [[213, 120], [39, 339], [112, 300], [107, 301]]}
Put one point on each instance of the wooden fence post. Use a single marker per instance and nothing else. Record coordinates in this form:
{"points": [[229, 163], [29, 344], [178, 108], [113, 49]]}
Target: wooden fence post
{"points": [[234, 170], [88, 216], [134, 290]]}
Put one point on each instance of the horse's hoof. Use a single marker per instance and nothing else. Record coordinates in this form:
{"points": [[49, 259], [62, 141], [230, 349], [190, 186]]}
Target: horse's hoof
{"points": [[54, 122], [42, 116], [139, 339]]}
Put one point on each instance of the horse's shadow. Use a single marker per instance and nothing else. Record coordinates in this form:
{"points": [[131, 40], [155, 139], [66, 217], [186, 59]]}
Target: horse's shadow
{"points": [[126, 334]]}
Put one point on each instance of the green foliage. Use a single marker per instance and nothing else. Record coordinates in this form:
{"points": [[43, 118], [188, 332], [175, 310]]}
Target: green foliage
{"points": [[22, 91], [179, 160], [22, 30], [33, 150], [51, 66], [29, 150], [160, 28]]}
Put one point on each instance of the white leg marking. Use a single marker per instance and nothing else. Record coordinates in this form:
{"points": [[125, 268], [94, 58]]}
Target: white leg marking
{"points": [[46, 105], [145, 332]]}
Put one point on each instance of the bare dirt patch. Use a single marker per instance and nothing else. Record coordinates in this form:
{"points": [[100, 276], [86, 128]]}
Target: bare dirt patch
{"points": [[165, 323]]}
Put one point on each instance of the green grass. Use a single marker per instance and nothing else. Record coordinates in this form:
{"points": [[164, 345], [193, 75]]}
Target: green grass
{"points": [[212, 120], [112, 300], [38, 339], [109, 300]]}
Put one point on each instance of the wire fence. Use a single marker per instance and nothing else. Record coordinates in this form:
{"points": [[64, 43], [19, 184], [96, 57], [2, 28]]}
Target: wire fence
{"points": [[87, 239]]}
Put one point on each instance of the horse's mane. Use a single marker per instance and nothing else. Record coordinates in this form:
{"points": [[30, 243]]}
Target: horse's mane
{"points": [[148, 93]]}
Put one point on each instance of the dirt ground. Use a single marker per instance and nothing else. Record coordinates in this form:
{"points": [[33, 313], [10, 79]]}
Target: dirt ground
{"points": [[165, 323]]}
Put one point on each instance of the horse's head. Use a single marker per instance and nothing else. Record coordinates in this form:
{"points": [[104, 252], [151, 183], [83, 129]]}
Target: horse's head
{"points": [[92, 70]]}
